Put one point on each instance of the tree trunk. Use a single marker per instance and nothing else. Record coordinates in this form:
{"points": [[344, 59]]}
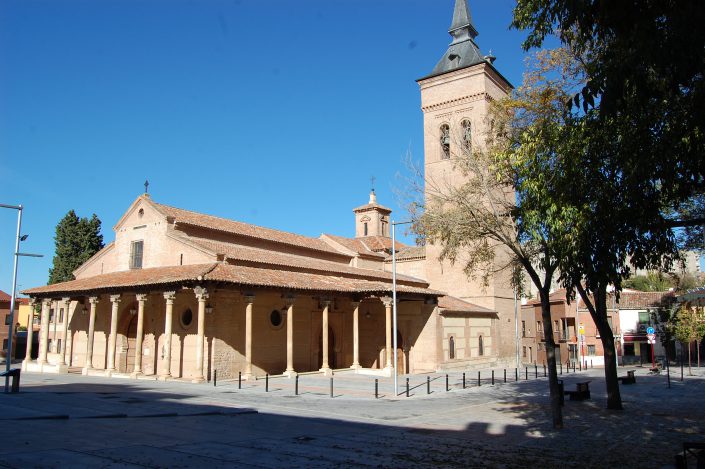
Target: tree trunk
{"points": [[690, 364], [598, 311], [555, 392]]}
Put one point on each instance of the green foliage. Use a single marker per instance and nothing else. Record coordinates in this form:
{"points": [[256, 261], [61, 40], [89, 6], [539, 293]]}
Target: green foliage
{"points": [[77, 240], [688, 324], [652, 281], [645, 83]]}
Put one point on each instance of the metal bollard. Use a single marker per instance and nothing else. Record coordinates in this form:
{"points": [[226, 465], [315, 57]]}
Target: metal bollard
{"points": [[376, 389], [505, 375], [561, 367], [492, 377], [591, 364], [544, 369], [536, 371], [296, 385], [580, 368], [407, 387], [526, 373], [331, 387], [215, 377], [573, 367], [447, 387], [428, 385], [516, 374], [479, 381], [266, 382], [239, 379], [463, 380]]}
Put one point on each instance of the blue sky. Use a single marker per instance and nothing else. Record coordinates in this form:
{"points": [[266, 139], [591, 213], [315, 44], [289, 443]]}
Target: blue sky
{"points": [[275, 113]]}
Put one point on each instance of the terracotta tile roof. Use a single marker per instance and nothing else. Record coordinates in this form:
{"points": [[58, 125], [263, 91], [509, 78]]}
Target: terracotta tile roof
{"points": [[380, 243], [558, 295], [372, 206], [4, 297], [409, 253], [242, 276], [258, 277], [273, 258], [456, 305], [125, 280], [188, 217], [633, 299], [354, 245]]}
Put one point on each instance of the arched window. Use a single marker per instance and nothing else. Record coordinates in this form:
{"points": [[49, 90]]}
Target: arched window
{"points": [[451, 348], [467, 135], [445, 141], [480, 346]]}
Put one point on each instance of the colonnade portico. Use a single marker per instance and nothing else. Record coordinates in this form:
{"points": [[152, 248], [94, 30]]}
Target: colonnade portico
{"points": [[161, 343]]}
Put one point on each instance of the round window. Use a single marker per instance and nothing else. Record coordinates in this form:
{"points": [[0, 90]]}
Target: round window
{"points": [[186, 318], [276, 318]]}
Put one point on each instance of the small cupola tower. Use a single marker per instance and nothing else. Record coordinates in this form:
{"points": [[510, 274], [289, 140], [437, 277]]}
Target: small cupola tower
{"points": [[372, 219]]}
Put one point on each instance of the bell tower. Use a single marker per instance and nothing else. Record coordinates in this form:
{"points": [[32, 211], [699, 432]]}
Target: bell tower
{"points": [[372, 219], [455, 99]]}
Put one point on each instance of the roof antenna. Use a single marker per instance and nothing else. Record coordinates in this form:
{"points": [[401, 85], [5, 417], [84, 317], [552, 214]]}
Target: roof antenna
{"points": [[146, 186]]}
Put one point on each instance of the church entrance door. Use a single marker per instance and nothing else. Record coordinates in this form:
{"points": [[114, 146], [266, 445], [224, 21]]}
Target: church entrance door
{"points": [[129, 362]]}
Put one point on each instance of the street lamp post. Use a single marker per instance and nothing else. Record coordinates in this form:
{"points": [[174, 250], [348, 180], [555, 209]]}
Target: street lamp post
{"points": [[394, 300], [13, 294]]}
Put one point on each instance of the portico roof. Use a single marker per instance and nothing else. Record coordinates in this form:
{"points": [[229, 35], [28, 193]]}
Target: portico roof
{"points": [[236, 275]]}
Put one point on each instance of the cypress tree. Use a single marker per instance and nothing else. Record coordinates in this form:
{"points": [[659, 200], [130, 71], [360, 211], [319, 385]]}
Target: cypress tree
{"points": [[77, 240]]}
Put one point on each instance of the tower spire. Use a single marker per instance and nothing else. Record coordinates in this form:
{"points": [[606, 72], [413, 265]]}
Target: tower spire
{"points": [[462, 51], [462, 28]]}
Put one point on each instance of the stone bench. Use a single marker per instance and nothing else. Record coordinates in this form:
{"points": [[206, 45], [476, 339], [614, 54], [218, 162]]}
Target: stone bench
{"points": [[582, 392]]}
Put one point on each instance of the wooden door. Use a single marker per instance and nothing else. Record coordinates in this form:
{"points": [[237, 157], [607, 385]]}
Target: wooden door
{"points": [[131, 345]]}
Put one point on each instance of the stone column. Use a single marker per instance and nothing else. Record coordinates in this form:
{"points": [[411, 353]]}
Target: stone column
{"points": [[141, 300], [44, 332], [356, 334], [388, 314], [93, 300], [67, 303], [290, 336], [112, 339], [325, 367], [30, 333], [249, 301], [202, 297], [169, 296]]}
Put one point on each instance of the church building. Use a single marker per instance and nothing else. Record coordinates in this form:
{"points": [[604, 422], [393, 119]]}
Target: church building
{"points": [[181, 294]]}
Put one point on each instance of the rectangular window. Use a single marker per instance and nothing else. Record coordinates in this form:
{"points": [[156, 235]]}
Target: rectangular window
{"points": [[61, 315], [644, 318], [4, 344], [523, 328], [524, 351], [136, 250], [7, 320], [51, 315], [591, 350]]}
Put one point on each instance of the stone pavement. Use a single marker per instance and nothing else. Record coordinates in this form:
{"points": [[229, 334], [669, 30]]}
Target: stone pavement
{"points": [[80, 421]]}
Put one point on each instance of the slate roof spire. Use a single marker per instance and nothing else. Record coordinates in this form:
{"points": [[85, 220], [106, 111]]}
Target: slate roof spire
{"points": [[462, 28], [462, 52]]}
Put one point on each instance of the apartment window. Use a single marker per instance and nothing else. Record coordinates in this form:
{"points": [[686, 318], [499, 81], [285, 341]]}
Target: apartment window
{"points": [[523, 328], [51, 315], [591, 350], [539, 326], [523, 350], [451, 348], [644, 318], [61, 315], [7, 320], [136, 250], [4, 344]]}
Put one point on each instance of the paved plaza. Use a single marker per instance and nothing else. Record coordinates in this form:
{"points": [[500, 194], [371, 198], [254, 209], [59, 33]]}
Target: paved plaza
{"points": [[79, 421]]}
